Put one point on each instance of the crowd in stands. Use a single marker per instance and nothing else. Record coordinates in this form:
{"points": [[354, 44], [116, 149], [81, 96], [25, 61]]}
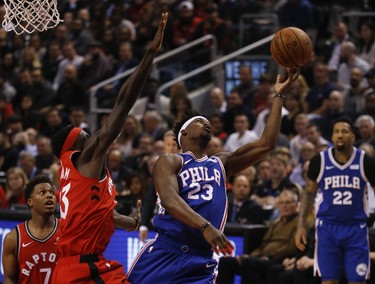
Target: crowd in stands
{"points": [[45, 80]]}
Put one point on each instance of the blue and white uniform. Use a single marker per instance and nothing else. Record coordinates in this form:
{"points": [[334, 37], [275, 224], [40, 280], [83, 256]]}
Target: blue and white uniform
{"points": [[341, 230], [179, 253]]}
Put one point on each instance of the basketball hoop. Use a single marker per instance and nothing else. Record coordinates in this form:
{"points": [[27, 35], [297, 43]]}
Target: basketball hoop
{"points": [[30, 15]]}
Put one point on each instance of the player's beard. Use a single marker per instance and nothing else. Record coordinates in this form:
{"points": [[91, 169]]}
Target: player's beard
{"points": [[205, 138], [340, 148]]}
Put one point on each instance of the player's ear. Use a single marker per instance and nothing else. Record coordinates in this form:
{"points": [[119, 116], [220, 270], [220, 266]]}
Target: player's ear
{"points": [[29, 202]]}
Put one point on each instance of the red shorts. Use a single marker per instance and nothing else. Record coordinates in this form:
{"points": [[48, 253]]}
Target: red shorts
{"points": [[88, 269]]}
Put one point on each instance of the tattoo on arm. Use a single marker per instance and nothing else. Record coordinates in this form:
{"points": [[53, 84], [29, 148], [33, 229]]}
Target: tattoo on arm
{"points": [[308, 200]]}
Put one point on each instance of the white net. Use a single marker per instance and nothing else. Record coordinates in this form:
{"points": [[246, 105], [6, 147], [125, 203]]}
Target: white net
{"points": [[30, 15]]}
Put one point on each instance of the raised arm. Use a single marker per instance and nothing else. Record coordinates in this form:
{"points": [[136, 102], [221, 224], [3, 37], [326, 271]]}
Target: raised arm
{"points": [[308, 199], [165, 176], [98, 144], [250, 153], [10, 262]]}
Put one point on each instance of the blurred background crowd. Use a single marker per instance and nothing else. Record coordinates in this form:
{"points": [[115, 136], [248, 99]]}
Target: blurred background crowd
{"points": [[46, 79]]}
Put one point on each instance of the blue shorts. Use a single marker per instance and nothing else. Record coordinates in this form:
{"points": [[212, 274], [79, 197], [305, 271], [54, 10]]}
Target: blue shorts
{"points": [[163, 261], [342, 249]]}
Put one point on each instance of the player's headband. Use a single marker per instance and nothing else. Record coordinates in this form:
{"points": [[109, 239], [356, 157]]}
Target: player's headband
{"points": [[186, 124], [71, 139]]}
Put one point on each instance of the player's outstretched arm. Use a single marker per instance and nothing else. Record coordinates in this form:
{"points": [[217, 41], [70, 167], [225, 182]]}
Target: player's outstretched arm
{"points": [[131, 222], [9, 258], [250, 153], [165, 176], [307, 204], [126, 98]]}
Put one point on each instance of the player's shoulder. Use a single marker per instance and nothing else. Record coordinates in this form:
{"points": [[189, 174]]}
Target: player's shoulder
{"points": [[11, 238]]}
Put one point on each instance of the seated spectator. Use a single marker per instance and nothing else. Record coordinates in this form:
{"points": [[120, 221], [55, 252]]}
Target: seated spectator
{"points": [[277, 244], [53, 122], [266, 195], [263, 171], [354, 96], [119, 171], [241, 209], [366, 44], [217, 127], [217, 99], [27, 162], [16, 181], [45, 157], [314, 135], [366, 130], [214, 146], [8, 153], [307, 152], [242, 135], [130, 130], [295, 144], [136, 189], [299, 269]]}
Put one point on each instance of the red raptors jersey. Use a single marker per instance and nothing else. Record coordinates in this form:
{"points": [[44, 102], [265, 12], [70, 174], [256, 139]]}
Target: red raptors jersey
{"points": [[86, 208], [36, 258]]}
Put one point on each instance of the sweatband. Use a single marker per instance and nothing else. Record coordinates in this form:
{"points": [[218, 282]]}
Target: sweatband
{"points": [[71, 139], [186, 124]]}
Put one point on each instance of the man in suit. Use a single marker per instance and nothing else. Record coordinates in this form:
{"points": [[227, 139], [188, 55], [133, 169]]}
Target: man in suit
{"points": [[241, 209]]}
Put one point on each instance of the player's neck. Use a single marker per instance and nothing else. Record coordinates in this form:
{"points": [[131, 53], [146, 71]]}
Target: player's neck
{"points": [[342, 156]]}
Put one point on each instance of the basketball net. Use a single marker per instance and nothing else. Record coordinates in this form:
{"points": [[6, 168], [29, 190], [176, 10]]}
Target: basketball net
{"points": [[30, 15]]}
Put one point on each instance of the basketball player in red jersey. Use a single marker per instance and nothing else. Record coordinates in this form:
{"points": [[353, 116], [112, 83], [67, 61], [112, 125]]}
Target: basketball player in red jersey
{"points": [[30, 250], [87, 193]]}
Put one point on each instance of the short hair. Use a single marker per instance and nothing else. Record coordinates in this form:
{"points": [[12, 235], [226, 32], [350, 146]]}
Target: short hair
{"points": [[179, 124], [59, 138], [29, 189], [345, 119]]}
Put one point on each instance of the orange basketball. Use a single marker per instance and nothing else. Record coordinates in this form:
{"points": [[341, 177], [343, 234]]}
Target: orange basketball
{"points": [[291, 47]]}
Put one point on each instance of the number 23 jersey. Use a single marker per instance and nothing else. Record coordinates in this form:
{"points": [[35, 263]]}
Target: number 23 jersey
{"points": [[202, 185]]}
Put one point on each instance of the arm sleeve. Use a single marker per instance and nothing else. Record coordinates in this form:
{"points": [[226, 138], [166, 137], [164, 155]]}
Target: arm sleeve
{"points": [[369, 165], [314, 168]]}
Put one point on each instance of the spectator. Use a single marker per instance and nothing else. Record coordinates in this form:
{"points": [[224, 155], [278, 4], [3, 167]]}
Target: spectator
{"points": [[45, 157], [262, 116], [317, 98], [276, 245], [71, 57], [130, 130], [370, 76], [214, 146], [217, 127], [27, 162], [294, 106], [77, 118], [366, 44], [136, 189], [51, 61], [242, 135], [366, 130], [264, 88], [247, 88], [354, 96], [236, 105], [154, 125], [16, 181], [41, 90], [349, 59], [119, 171], [213, 24], [8, 65], [263, 171], [71, 92], [179, 106], [184, 24], [6, 89], [314, 135], [266, 194], [53, 123], [296, 13], [23, 85], [218, 101], [6, 111], [307, 152], [332, 52], [335, 109], [8, 153], [241, 209]]}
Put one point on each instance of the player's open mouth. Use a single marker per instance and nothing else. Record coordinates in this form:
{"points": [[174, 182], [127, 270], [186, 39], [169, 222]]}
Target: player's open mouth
{"points": [[50, 204]]}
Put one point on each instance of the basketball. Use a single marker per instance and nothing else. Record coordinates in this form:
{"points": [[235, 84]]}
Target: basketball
{"points": [[291, 47]]}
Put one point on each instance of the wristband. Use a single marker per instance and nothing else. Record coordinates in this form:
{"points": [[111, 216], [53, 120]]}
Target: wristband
{"points": [[204, 227], [279, 95]]}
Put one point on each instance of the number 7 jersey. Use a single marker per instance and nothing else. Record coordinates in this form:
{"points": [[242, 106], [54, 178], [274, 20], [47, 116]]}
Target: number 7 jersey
{"points": [[342, 189], [202, 185]]}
